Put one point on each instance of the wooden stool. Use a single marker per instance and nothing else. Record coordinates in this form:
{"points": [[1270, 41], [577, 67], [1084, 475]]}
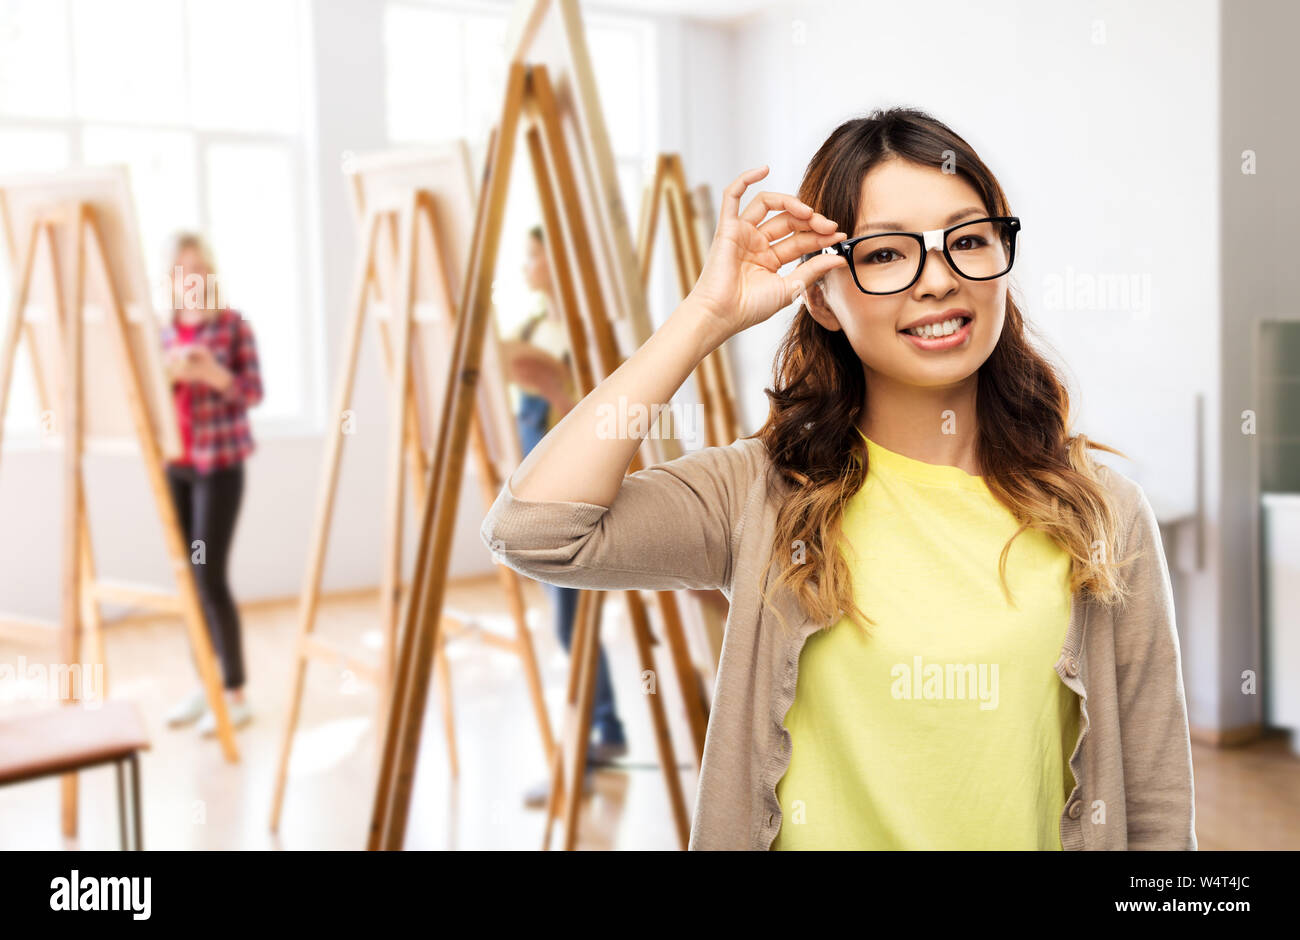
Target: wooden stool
{"points": [[71, 738]]}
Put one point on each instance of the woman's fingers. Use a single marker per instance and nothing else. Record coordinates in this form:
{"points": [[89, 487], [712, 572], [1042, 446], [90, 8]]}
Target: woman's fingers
{"points": [[813, 269], [795, 229], [731, 195], [783, 223], [787, 249], [766, 202], [792, 213]]}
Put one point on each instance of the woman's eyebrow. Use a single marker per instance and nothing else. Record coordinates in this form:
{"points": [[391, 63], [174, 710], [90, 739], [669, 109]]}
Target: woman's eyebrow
{"points": [[898, 226]]}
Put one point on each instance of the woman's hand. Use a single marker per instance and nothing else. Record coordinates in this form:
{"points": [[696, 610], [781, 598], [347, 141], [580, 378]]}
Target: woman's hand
{"points": [[194, 362], [739, 285], [209, 371], [176, 360]]}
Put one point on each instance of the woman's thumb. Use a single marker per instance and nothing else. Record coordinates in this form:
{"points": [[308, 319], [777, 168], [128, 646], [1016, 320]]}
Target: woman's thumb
{"points": [[796, 288]]}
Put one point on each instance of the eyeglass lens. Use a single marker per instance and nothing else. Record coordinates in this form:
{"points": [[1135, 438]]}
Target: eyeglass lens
{"points": [[887, 263]]}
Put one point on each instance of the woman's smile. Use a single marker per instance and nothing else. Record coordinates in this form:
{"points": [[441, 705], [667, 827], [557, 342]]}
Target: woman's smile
{"points": [[950, 333]]}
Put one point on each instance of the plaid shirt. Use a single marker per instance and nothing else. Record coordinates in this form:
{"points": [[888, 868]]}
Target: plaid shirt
{"points": [[220, 434]]}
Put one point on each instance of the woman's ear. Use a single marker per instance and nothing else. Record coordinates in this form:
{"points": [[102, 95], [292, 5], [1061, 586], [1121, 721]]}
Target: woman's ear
{"points": [[815, 300]]}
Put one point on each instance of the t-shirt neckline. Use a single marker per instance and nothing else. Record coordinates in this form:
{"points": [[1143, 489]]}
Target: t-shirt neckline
{"points": [[892, 462]]}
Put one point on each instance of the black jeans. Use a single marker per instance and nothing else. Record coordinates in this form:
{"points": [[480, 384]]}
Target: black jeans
{"points": [[207, 505]]}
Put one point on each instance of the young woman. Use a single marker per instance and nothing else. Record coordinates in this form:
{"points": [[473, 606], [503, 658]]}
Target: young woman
{"points": [[211, 358], [544, 377], [912, 544]]}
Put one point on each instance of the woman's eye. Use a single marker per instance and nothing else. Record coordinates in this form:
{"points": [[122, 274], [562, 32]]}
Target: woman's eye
{"points": [[875, 256], [976, 241]]}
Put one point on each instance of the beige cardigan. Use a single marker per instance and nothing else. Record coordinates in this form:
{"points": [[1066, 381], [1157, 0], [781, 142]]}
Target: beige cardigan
{"points": [[705, 520]]}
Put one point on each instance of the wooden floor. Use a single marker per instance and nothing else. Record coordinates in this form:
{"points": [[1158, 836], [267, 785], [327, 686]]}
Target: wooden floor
{"points": [[193, 799], [1247, 798]]}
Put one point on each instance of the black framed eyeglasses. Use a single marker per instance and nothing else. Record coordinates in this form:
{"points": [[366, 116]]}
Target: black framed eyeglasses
{"points": [[891, 262]]}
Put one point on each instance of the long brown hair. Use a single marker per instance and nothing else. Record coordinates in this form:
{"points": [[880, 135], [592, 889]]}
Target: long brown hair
{"points": [[1032, 464]]}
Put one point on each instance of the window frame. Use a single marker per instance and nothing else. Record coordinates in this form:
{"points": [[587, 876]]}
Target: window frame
{"points": [[647, 29], [306, 418]]}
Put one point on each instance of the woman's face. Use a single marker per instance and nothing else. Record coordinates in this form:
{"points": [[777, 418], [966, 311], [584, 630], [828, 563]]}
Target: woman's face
{"points": [[918, 198], [536, 272]]}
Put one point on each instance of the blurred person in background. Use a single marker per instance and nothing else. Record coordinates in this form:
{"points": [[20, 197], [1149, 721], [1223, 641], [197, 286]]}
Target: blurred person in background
{"points": [[538, 363], [211, 360]]}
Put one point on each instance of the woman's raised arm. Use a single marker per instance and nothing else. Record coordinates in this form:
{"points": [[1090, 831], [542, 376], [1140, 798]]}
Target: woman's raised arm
{"points": [[579, 460]]}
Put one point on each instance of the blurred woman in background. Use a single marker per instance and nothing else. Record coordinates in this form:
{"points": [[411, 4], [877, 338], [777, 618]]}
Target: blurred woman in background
{"points": [[547, 394], [211, 359]]}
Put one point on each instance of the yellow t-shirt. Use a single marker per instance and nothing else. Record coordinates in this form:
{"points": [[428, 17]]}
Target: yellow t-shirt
{"points": [[948, 727]]}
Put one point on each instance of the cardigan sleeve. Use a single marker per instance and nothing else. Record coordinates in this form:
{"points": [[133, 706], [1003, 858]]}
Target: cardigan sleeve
{"points": [[1154, 736], [670, 526]]}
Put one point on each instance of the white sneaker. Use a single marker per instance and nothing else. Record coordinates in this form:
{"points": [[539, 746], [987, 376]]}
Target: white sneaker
{"points": [[183, 713], [240, 715], [538, 795]]}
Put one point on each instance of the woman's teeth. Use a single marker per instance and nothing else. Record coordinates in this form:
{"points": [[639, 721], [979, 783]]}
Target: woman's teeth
{"points": [[932, 330]]}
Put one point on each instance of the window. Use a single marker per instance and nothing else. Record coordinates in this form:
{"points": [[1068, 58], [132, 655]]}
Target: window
{"points": [[206, 113], [461, 53]]}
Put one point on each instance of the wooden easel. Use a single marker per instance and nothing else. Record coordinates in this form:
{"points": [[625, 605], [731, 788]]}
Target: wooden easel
{"points": [[556, 186], [74, 243], [714, 378], [690, 236], [391, 246], [574, 266]]}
